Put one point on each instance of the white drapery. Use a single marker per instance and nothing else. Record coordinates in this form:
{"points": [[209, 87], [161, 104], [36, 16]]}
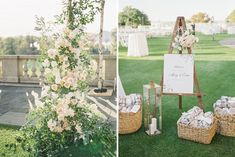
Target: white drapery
{"points": [[137, 45]]}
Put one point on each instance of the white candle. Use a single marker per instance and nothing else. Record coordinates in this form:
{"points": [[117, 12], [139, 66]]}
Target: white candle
{"points": [[154, 122], [153, 129]]}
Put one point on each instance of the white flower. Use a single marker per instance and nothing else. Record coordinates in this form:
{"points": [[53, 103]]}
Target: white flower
{"points": [[47, 71], [58, 129], [74, 101], [176, 39], [61, 58], [54, 95], [45, 90], [69, 95], [72, 35], [46, 63], [66, 85], [52, 53], [78, 128], [54, 87], [66, 31], [51, 124], [63, 110], [54, 64], [57, 78], [65, 65], [59, 42], [66, 125]]}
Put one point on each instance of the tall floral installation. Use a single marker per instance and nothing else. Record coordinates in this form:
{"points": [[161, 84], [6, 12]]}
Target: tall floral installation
{"points": [[61, 117]]}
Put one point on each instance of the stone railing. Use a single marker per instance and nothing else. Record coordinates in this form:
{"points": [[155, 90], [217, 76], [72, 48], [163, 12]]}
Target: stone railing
{"points": [[26, 69]]}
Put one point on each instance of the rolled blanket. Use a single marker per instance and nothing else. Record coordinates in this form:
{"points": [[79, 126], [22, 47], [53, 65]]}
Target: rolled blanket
{"points": [[225, 106], [130, 103], [196, 118]]}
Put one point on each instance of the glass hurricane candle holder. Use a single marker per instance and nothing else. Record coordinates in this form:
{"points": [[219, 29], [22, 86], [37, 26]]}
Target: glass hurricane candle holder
{"points": [[152, 108]]}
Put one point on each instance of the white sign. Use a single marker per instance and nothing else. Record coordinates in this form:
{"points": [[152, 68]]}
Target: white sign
{"points": [[178, 73]]}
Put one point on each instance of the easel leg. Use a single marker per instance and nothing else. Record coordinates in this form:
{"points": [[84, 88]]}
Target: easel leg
{"points": [[200, 103], [180, 102]]}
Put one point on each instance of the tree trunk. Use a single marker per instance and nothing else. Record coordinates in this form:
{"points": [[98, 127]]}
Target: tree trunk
{"points": [[70, 20], [100, 68]]}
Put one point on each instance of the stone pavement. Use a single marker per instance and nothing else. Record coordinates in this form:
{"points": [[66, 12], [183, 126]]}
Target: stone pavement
{"points": [[14, 104]]}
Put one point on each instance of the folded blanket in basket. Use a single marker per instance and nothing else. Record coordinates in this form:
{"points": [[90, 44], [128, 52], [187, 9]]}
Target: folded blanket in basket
{"points": [[130, 103], [196, 118], [225, 106]]}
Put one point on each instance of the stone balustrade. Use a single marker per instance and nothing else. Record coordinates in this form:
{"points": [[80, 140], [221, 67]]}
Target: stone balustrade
{"points": [[26, 69]]}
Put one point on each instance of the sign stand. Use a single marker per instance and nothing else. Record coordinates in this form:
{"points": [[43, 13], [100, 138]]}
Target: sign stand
{"points": [[180, 26]]}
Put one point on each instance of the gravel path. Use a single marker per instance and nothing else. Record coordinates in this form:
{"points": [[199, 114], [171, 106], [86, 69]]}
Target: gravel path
{"points": [[228, 43]]}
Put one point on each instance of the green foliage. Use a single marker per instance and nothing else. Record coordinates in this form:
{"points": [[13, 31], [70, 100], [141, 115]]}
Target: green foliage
{"points": [[231, 17], [201, 17], [46, 40], [80, 13], [132, 17], [21, 45]]}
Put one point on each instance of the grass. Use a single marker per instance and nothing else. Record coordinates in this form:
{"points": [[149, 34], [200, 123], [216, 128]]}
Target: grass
{"points": [[8, 134], [215, 68]]}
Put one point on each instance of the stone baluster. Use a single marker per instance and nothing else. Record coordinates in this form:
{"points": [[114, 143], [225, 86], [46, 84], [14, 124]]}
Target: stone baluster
{"points": [[33, 61], [0, 68], [25, 68]]}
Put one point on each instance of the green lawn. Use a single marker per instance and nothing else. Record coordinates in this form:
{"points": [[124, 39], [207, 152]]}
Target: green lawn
{"points": [[215, 67], [8, 134]]}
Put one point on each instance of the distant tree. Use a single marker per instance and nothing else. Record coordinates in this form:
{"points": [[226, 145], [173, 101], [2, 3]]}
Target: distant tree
{"points": [[132, 17], [1, 46], [200, 17], [9, 46], [20, 45], [231, 17]]}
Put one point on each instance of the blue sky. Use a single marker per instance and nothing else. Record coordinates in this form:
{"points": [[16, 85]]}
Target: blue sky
{"points": [[168, 10], [17, 17]]}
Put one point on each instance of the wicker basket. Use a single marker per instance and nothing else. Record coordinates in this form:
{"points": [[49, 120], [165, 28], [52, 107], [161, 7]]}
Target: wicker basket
{"points": [[130, 122], [201, 135], [226, 125]]}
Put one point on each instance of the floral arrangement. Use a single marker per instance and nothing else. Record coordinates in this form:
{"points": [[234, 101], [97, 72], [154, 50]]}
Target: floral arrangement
{"points": [[186, 40], [61, 117]]}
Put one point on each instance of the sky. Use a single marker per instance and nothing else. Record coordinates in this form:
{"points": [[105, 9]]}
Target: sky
{"points": [[17, 17], [168, 10]]}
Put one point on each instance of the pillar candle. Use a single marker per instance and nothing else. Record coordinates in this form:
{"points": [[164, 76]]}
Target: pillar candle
{"points": [[151, 129]]}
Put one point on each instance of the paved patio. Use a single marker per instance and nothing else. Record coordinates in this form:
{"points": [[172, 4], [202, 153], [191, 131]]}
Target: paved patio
{"points": [[14, 104]]}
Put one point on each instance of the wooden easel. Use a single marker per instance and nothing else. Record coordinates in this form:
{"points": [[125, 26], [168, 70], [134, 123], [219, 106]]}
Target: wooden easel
{"points": [[180, 25]]}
